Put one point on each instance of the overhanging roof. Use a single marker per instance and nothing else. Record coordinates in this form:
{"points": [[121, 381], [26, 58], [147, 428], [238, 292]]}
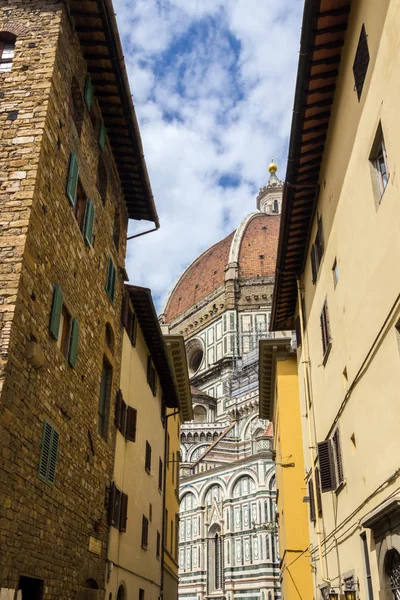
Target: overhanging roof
{"points": [[177, 354], [322, 38], [269, 351], [148, 321], [96, 27]]}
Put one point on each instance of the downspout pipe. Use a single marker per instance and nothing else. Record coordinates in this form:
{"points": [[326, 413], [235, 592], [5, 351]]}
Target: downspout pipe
{"points": [[311, 441], [176, 412]]}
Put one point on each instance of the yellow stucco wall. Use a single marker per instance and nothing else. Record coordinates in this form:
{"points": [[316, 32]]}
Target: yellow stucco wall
{"points": [[362, 233], [292, 511], [172, 507], [135, 567]]}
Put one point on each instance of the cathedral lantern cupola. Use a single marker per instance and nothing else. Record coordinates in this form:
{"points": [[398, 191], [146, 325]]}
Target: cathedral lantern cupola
{"points": [[269, 199]]}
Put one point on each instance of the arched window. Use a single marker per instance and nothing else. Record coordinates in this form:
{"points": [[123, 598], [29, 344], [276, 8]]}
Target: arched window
{"points": [[102, 180], [121, 593], [276, 206], [392, 572], [200, 414], [76, 105], [218, 565], [215, 550], [7, 47]]}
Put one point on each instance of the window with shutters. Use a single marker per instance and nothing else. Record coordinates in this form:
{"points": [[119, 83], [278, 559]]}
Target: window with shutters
{"points": [[325, 332], [337, 450], [147, 461], [120, 413], [110, 279], [82, 206], [160, 474], [104, 399], [312, 512], [361, 62], [318, 486], [128, 318], [379, 165], [327, 472], [145, 532], [151, 375], [63, 328], [48, 454], [7, 49], [317, 251], [117, 509]]}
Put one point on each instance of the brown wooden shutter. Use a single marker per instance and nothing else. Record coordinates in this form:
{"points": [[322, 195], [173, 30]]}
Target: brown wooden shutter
{"points": [[111, 502], [326, 466], [320, 241], [160, 474], [118, 409], [117, 508], [131, 419], [311, 500], [338, 456], [314, 268], [298, 330], [123, 512], [318, 486], [325, 328], [145, 530]]}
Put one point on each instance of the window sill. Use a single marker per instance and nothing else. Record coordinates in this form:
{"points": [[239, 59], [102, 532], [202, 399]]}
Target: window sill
{"points": [[147, 471], [327, 353]]}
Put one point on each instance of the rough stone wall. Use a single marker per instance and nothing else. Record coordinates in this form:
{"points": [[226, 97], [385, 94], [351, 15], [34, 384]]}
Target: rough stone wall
{"points": [[45, 530]]}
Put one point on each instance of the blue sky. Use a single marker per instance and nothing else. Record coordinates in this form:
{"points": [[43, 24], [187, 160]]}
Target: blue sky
{"points": [[213, 84]]}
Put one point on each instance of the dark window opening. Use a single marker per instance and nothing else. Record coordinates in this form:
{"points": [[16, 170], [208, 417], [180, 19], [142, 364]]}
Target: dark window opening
{"points": [[80, 206], [151, 375], [147, 463], [64, 328], [110, 279], [31, 589], [158, 545], [7, 50], [317, 251], [128, 318], [141, 594], [379, 163], [160, 474], [367, 566], [109, 337], [361, 62], [104, 399]]}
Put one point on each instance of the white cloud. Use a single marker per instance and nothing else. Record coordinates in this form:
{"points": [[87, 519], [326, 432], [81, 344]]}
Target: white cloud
{"points": [[213, 84]]}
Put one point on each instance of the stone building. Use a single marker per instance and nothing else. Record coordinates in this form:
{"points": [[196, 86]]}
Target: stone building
{"points": [[72, 174], [338, 280], [221, 304]]}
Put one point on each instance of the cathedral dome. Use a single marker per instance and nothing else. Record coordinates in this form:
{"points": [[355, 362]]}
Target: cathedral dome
{"points": [[251, 249]]}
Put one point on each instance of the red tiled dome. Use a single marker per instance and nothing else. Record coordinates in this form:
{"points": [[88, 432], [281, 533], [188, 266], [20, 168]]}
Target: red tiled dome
{"points": [[257, 247]]}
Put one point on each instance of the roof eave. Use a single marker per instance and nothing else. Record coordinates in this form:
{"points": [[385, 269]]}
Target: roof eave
{"points": [[270, 350], [146, 314], [306, 153], [177, 354]]}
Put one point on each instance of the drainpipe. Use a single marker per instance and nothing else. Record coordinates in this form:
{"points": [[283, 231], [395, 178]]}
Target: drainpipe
{"points": [[164, 497], [311, 441]]}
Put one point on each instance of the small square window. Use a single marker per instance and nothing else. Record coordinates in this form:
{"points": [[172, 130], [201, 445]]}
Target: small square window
{"points": [[335, 272], [379, 164]]}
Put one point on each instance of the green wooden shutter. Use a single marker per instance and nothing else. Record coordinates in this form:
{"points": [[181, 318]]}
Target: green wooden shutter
{"points": [[74, 342], [102, 135], [56, 312], [51, 472], [110, 282], [88, 93], [89, 223], [48, 453], [72, 181]]}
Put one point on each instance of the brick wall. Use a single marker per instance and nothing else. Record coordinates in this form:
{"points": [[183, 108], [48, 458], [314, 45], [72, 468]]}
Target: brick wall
{"points": [[45, 530]]}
